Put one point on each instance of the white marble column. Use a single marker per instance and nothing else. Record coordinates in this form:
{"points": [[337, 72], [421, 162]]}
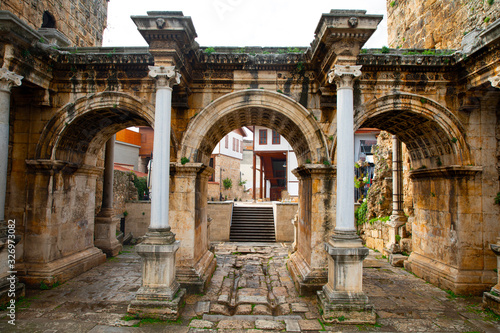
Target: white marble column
{"points": [[8, 79], [166, 78], [343, 296], [160, 295], [344, 78], [106, 220]]}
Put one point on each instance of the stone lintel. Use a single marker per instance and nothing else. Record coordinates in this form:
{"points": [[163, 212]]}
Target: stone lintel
{"points": [[452, 171]]}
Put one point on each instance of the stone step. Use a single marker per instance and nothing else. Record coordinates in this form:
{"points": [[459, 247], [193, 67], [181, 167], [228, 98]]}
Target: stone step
{"points": [[252, 224]]}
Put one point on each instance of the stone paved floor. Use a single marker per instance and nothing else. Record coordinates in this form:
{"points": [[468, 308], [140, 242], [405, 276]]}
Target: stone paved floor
{"points": [[250, 291]]}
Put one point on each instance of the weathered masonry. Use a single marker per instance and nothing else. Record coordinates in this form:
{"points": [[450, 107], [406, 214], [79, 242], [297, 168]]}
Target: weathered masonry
{"points": [[444, 105]]}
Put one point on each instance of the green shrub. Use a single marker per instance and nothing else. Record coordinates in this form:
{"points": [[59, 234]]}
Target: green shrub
{"points": [[141, 184], [228, 183]]}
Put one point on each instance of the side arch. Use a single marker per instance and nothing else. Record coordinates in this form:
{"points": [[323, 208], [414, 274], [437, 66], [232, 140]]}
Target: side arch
{"points": [[254, 107], [428, 129], [80, 129]]}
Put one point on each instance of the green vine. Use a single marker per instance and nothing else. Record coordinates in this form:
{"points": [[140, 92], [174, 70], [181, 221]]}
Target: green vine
{"points": [[360, 213]]}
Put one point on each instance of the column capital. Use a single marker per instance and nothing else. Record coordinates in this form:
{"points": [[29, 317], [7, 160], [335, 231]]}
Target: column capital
{"points": [[344, 75], [495, 81], [166, 76], [9, 79]]}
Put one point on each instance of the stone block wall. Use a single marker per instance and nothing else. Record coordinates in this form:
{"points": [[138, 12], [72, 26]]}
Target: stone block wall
{"points": [[123, 191], [284, 212], [439, 24], [138, 218], [81, 21], [220, 213], [230, 169]]}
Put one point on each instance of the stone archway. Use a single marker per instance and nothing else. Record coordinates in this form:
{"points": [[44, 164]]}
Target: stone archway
{"points": [[59, 236], [447, 189], [255, 107], [316, 180], [428, 129]]}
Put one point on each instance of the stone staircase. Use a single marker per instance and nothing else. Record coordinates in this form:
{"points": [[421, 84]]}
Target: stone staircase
{"points": [[252, 224]]}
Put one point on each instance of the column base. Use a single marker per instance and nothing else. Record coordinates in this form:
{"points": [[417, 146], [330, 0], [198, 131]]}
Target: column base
{"points": [[346, 308], [160, 295], [306, 279], [61, 270], [196, 279], [105, 235], [461, 282], [149, 305], [342, 299]]}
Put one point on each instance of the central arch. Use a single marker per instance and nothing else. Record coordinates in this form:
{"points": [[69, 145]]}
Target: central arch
{"points": [[254, 107], [316, 179]]}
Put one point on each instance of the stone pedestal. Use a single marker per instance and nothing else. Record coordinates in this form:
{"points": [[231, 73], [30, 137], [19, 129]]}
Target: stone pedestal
{"points": [[105, 232], [342, 298], [491, 299], [160, 295]]}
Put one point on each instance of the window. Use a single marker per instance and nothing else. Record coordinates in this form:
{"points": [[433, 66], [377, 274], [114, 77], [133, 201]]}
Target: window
{"points": [[276, 138], [241, 147], [234, 144], [48, 21], [227, 142], [262, 137]]}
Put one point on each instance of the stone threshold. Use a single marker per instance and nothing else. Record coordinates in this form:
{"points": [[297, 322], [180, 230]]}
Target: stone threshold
{"points": [[214, 318]]}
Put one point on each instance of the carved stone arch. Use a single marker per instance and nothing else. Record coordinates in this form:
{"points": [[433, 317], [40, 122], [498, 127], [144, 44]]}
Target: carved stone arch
{"points": [[79, 130], [254, 107], [429, 130]]}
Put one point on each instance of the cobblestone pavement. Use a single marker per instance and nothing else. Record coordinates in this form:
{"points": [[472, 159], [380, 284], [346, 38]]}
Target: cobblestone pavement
{"points": [[250, 291]]}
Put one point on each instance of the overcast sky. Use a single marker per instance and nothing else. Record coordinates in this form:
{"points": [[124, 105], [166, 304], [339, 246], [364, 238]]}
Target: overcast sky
{"points": [[240, 22]]}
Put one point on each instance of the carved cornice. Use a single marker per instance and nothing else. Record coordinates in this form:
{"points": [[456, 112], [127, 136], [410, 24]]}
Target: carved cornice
{"points": [[344, 76], [452, 171], [495, 81], [306, 170], [166, 76], [8, 79]]}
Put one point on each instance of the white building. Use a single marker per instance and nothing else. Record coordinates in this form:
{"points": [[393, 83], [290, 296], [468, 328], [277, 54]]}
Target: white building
{"points": [[273, 162]]}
